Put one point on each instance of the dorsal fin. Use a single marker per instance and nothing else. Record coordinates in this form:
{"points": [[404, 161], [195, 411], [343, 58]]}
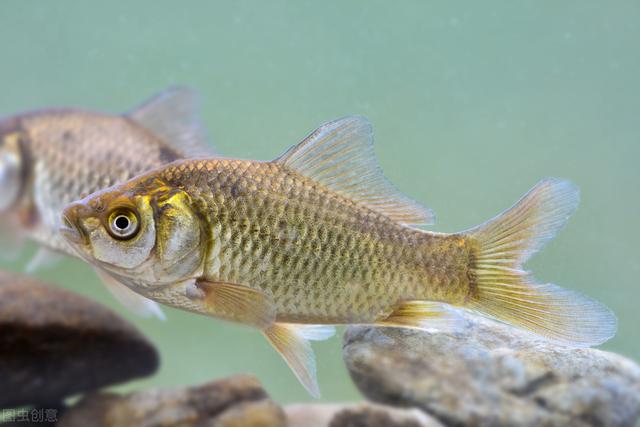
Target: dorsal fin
{"points": [[340, 156], [174, 116]]}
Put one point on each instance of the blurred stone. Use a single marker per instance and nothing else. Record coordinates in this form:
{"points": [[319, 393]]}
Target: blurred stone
{"points": [[490, 374], [356, 415], [232, 402], [54, 343], [263, 413]]}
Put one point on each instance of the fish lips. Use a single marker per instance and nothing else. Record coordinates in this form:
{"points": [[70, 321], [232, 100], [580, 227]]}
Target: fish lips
{"points": [[71, 229]]}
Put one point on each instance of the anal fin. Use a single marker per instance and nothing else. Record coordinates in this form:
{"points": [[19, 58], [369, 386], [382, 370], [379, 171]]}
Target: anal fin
{"points": [[426, 315], [292, 342]]}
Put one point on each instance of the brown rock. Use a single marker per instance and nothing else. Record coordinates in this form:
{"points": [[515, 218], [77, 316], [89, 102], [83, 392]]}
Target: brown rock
{"points": [[356, 415], [54, 343], [262, 413], [232, 402], [490, 374]]}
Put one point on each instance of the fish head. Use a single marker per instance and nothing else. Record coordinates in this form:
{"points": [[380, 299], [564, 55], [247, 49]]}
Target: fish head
{"points": [[12, 163], [148, 233]]}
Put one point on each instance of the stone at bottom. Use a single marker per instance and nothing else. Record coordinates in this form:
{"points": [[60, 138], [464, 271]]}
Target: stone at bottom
{"points": [[490, 374], [356, 415], [237, 401], [54, 344]]}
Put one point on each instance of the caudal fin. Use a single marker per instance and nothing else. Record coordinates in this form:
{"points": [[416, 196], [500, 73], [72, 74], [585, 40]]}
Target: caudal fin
{"points": [[506, 292]]}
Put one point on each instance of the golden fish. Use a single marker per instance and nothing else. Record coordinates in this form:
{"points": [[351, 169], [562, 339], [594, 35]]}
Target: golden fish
{"points": [[320, 237], [52, 157]]}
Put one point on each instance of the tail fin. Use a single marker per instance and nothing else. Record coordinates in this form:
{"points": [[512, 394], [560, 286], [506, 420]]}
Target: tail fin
{"points": [[506, 292]]}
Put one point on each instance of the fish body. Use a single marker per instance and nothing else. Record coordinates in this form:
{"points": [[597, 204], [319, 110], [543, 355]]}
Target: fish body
{"points": [[51, 157], [319, 237], [321, 257]]}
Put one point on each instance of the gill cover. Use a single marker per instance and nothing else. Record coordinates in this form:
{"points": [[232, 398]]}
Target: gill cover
{"points": [[178, 236]]}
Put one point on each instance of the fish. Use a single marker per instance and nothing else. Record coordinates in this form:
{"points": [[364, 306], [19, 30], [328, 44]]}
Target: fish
{"points": [[319, 237], [51, 157]]}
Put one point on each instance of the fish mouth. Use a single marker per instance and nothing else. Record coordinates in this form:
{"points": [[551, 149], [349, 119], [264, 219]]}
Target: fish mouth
{"points": [[71, 229]]}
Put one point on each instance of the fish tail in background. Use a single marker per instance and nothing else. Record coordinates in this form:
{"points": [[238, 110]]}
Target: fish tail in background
{"points": [[501, 289]]}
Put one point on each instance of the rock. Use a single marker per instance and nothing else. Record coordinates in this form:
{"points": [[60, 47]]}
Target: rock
{"points": [[233, 402], [54, 343], [263, 413], [355, 415], [490, 374]]}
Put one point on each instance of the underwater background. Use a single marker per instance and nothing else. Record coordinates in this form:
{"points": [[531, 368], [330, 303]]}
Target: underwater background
{"points": [[472, 104]]}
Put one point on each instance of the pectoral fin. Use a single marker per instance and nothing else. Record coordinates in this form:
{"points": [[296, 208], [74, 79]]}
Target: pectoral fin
{"points": [[44, 258], [292, 342], [134, 302], [238, 303], [425, 315], [12, 242]]}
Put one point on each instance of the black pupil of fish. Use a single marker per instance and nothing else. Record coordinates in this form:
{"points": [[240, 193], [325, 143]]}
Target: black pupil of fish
{"points": [[122, 223]]}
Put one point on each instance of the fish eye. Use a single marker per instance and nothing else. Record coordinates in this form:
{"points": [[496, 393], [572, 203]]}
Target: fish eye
{"points": [[123, 224]]}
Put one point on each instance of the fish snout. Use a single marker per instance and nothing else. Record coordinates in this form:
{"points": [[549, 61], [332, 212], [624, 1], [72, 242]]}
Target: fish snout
{"points": [[72, 228]]}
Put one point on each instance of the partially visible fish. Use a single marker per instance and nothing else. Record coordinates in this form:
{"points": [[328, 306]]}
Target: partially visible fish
{"points": [[51, 157], [319, 237]]}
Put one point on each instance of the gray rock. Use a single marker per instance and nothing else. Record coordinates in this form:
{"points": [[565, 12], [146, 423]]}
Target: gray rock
{"points": [[238, 401], [355, 415], [490, 374], [54, 344]]}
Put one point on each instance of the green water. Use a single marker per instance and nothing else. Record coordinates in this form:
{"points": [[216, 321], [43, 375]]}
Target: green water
{"points": [[472, 103]]}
